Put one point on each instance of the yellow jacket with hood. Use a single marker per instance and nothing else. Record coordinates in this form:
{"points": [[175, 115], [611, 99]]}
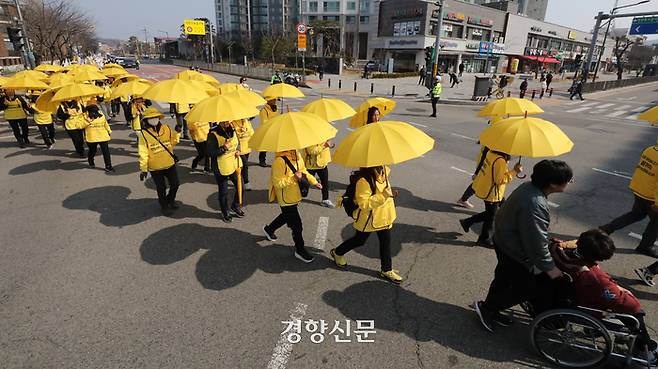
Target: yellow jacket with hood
{"points": [[317, 156], [490, 182], [376, 210], [199, 131], [227, 161], [645, 179], [152, 156], [97, 130], [266, 113], [245, 131], [283, 183]]}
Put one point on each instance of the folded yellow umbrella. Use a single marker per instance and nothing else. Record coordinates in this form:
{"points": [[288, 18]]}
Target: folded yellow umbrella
{"points": [[384, 143], [131, 88], [24, 82], [226, 88], [48, 68], [175, 91], [510, 106], [329, 109], [33, 74], [650, 115], [77, 91], [282, 90], [523, 136], [45, 104], [291, 131], [246, 96], [384, 105], [86, 74], [221, 108]]}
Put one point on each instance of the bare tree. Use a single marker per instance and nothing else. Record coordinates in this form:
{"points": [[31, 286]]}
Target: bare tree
{"points": [[276, 46]]}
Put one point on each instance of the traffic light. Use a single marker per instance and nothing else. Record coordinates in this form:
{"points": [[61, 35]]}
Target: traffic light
{"points": [[429, 55], [16, 37]]}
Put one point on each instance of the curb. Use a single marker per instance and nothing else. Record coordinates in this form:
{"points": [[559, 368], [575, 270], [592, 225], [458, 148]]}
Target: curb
{"points": [[456, 102]]}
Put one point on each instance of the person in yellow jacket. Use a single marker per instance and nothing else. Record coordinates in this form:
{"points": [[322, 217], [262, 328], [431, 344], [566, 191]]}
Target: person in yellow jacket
{"points": [[376, 213], [644, 185], [268, 112], [181, 111], [44, 121], [156, 156], [70, 112], [137, 107], [244, 130], [16, 109], [225, 160], [127, 110], [199, 134], [97, 132], [489, 185], [317, 157], [288, 170]]}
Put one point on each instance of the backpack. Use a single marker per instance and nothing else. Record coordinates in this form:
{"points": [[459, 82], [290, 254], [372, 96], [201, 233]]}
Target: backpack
{"points": [[349, 205]]}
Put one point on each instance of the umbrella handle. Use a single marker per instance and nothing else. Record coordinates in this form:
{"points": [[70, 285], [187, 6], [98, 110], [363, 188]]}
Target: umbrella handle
{"points": [[521, 176]]}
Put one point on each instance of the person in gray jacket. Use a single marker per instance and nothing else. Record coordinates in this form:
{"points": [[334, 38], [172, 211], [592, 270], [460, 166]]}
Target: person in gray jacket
{"points": [[525, 265]]}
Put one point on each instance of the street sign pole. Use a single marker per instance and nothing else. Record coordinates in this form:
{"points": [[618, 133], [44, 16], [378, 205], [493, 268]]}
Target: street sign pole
{"points": [[301, 47]]}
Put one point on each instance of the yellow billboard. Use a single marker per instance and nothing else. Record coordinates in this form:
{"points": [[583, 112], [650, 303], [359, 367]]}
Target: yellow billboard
{"points": [[571, 35], [194, 27]]}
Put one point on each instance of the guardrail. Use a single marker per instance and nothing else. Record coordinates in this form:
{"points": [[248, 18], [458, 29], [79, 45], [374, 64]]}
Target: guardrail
{"points": [[608, 85], [233, 69]]}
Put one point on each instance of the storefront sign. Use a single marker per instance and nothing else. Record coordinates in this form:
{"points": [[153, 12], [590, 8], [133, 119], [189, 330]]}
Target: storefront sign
{"points": [[473, 46], [552, 33], [480, 21], [407, 13], [457, 17], [571, 35], [489, 48], [448, 45], [403, 44], [535, 29]]}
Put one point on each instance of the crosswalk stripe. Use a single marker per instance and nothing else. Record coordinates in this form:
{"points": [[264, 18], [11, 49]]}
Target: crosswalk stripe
{"points": [[605, 106], [641, 108], [577, 110], [622, 107], [590, 104], [617, 113], [632, 117]]}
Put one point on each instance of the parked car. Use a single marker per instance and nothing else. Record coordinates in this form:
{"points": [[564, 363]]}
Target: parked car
{"points": [[128, 62]]}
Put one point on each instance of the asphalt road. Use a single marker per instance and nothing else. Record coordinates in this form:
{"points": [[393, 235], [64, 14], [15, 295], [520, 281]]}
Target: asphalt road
{"points": [[92, 276]]}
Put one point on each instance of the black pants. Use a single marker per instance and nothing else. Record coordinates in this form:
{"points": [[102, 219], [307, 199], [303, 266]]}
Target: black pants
{"points": [[180, 120], [580, 94], [202, 154], [222, 184], [324, 180], [522, 94], [641, 209], [487, 219], [105, 149], [114, 106], [360, 238], [468, 193], [47, 133], [19, 127], [290, 217], [159, 176], [77, 138], [245, 168], [261, 157], [421, 80], [513, 284], [435, 100], [127, 114]]}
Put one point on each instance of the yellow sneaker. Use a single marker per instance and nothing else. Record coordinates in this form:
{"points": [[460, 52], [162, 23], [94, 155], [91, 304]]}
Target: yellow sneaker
{"points": [[392, 275], [340, 260]]}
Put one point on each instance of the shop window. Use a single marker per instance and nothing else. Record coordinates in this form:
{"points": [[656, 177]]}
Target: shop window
{"points": [[404, 28], [452, 30], [475, 34]]}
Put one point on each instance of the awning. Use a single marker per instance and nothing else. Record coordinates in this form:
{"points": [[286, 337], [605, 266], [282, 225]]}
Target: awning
{"points": [[541, 59]]}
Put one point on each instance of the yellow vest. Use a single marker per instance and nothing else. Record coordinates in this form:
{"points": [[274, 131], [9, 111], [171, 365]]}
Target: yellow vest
{"points": [[14, 110], [266, 114], [376, 211], [283, 183], [152, 156], [107, 93], [228, 163], [76, 119], [97, 130], [199, 131], [42, 118], [490, 182], [136, 111], [245, 131], [645, 180], [317, 156], [182, 108]]}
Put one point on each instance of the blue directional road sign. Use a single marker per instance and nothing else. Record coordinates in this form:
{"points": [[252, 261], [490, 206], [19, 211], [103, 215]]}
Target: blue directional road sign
{"points": [[644, 26]]}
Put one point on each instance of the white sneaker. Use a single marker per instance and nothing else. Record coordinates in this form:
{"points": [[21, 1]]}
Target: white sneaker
{"points": [[464, 204], [646, 276], [327, 204]]}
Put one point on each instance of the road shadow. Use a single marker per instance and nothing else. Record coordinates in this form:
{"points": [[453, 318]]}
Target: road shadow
{"points": [[407, 199], [394, 309], [252, 197], [117, 210], [230, 257], [58, 165]]}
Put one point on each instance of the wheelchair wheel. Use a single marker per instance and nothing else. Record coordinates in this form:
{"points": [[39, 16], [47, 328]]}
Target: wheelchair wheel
{"points": [[500, 94], [570, 338]]}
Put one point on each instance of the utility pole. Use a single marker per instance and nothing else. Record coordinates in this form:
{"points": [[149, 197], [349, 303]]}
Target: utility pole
{"points": [[435, 69], [592, 46], [29, 56], [212, 43]]}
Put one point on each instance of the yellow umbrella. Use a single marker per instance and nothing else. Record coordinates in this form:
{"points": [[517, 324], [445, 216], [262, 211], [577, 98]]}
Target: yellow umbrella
{"points": [[510, 106], [3, 80], [282, 90], [383, 143], [523, 136], [48, 68], [61, 81], [113, 72], [112, 65], [205, 86], [131, 88], [82, 75], [124, 78], [175, 91], [187, 74], [206, 78], [45, 104], [33, 74], [24, 82], [76, 91], [650, 115], [384, 105], [90, 67], [329, 109], [226, 88], [220, 108], [246, 96], [291, 131]]}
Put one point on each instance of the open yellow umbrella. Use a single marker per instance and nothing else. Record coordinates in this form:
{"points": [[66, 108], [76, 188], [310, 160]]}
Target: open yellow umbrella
{"points": [[523, 136], [3, 80], [221, 108], [77, 91], [226, 88], [112, 65], [24, 82], [187, 74], [291, 131], [124, 78], [246, 96], [175, 91], [131, 88], [48, 68], [206, 78], [86, 74], [510, 106], [329, 109], [32, 74], [650, 115], [61, 81], [113, 72], [384, 105], [205, 86], [282, 90], [383, 143], [45, 104]]}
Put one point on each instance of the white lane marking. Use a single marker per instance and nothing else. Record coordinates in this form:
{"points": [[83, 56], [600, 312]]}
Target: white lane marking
{"points": [[611, 173], [464, 137], [605, 106], [460, 170], [641, 108], [633, 116], [639, 237], [622, 107], [617, 113], [590, 104], [283, 348], [6, 136], [596, 112], [321, 235], [578, 110], [551, 203], [350, 129], [418, 124]]}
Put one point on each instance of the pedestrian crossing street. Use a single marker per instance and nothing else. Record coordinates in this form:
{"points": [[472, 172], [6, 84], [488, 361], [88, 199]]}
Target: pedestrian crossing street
{"points": [[617, 110]]}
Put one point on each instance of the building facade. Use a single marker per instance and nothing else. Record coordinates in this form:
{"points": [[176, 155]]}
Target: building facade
{"points": [[251, 18]]}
